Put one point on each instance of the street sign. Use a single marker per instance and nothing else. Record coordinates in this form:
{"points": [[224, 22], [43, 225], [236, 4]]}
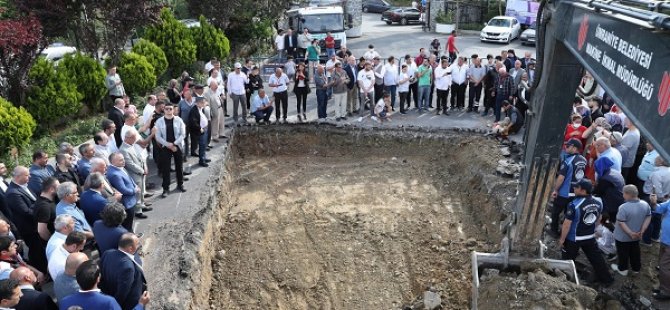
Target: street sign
{"points": [[632, 64]]}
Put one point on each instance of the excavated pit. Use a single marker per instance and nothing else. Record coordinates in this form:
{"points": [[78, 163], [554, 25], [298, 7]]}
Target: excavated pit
{"points": [[328, 218]]}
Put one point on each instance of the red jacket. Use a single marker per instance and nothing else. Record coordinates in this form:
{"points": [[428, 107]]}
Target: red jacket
{"points": [[568, 135]]}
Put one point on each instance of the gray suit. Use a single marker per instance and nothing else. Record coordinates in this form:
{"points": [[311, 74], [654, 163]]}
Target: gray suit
{"points": [[135, 166], [517, 77], [216, 112]]}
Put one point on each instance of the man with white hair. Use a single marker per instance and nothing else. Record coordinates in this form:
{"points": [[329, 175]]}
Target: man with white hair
{"points": [[101, 149], [605, 149], [64, 225], [503, 89], [136, 166], [237, 91], [100, 166], [68, 195], [213, 98], [120, 179]]}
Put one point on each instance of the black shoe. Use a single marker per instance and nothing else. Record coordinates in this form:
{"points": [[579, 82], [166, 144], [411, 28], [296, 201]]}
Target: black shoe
{"points": [[660, 296], [226, 115], [445, 113], [430, 106], [403, 112], [203, 165], [207, 160], [165, 193], [181, 189], [151, 185], [186, 179], [140, 216], [194, 154], [147, 209], [223, 137], [188, 173], [147, 195]]}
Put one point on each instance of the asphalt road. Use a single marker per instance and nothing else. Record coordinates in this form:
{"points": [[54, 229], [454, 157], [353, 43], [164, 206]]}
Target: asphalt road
{"points": [[396, 40]]}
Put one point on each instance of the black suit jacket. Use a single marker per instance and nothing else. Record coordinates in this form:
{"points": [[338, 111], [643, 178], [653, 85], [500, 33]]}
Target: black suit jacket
{"points": [[21, 209], [290, 48], [193, 122], [122, 278], [116, 116], [33, 299], [351, 75]]}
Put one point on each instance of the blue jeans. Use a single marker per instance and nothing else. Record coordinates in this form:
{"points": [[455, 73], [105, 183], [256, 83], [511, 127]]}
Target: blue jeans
{"points": [[391, 90], [654, 229], [424, 94], [321, 102], [202, 146], [498, 106], [263, 114], [330, 52]]}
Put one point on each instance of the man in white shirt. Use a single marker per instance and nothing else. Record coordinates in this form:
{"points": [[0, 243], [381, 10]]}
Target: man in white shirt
{"points": [[64, 225], [442, 84], [370, 54], [237, 91], [279, 83], [73, 243], [101, 141], [148, 111], [413, 93], [109, 128], [391, 79], [261, 107], [304, 41], [403, 88], [279, 45], [366, 82], [459, 73]]}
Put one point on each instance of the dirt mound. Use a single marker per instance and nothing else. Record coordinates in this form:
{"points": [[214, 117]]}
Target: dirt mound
{"points": [[534, 290]]}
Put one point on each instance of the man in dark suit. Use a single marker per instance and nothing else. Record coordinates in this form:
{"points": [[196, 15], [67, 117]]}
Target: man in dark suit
{"points": [[89, 297], [21, 203], [122, 276], [122, 182], [116, 115], [291, 43], [31, 299], [197, 126]]}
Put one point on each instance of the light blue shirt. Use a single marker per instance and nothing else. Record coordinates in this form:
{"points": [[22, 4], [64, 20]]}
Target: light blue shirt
{"points": [[664, 209], [80, 223], [615, 156], [259, 102], [647, 166]]}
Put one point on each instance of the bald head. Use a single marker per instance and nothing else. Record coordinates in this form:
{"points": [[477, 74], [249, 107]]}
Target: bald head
{"points": [[502, 70], [73, 261], [23, 275]]}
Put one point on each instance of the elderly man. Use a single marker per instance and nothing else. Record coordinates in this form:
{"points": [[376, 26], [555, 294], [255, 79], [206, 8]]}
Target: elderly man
{"points": [[102, 143], [663, 212], [503, 89], [122, 182], [197, 125], [632, 220], [170, 135], [65, 284], [64, 225], [39, 171], [657, 184], [261, 107], [87, 151], [45, 209], [340, 80], [237, 91], [604, 148], [526, 60], [352, 86], [631, 139], [92, 201], [114, 84], [279, 83], [116, 116], [137, 168], [100, 166], [21, 206], [109, 128], [31, 298], [122, 276], [459, 83], [322, 86], [516, 73], [73, 243], [212, 95], [67, 193], [65, 171], [476, 73]]}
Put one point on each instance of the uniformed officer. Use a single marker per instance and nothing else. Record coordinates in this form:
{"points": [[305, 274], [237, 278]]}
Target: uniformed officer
{"points": [[572, 170]]}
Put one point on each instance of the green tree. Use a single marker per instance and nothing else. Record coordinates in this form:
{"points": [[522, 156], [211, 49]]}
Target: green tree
{"points": [[153, 54], [212, 42], [88, 75], [16, 126], [174, 39], [51, 95], [136, 73]]}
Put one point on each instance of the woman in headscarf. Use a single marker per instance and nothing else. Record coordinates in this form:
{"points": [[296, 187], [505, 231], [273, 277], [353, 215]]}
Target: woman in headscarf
{"points": [[609, 186]]}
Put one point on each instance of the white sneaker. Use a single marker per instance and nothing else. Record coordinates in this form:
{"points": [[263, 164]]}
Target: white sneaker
{"points": [[615, 267], [374, 118]]}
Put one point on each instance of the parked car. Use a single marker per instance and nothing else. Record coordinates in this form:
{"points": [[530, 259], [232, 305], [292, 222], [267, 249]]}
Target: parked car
{"points": [[402, 16], [57, 51], [528, 35], [375, 6], [501, 29]]}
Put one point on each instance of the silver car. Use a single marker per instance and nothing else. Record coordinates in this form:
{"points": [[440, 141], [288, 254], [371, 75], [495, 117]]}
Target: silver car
{"points": [[528, 35]]}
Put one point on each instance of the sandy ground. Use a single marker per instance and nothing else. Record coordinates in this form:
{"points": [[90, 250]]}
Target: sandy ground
{"points": [[335, 222]]}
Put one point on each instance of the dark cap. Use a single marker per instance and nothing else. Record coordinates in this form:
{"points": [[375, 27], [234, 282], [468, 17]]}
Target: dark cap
{"points": [[408, 56], [188, 78], [584, 184], [574, 142]]}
